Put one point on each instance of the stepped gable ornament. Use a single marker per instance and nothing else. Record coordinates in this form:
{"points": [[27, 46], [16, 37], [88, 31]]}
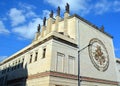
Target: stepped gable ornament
{"points": [[58, 11], [39, 27], [51, 14], [67, 8], [44, 21]]}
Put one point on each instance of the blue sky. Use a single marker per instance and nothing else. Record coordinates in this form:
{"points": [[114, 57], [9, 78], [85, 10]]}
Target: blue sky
{"points": [[19, 20]]}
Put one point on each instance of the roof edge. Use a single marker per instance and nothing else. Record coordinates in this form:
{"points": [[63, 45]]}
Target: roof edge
{"points": [[92, 25]]}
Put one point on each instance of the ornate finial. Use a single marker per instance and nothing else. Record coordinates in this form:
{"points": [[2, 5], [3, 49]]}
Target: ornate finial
{"points": [[39, 27], [44, 21], [51, 14], [102, 28], [67, 8], [58, 11]]}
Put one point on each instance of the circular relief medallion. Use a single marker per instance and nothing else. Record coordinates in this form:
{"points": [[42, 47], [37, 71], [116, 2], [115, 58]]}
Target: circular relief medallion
{"points": [[98, 54]]}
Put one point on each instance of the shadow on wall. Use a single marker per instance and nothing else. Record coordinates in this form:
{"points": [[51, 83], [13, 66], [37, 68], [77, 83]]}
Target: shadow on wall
{"points": [[14, 76]]}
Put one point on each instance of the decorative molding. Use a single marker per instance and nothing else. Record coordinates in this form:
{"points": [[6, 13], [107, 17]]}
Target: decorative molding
{"points": [[70, 76], [88, 79], [62, 75]]}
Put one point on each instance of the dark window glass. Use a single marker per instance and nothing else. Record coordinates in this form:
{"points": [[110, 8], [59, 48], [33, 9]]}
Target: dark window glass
{"points": [[22, 62], [44, 52], [30, 58], [36, 55]]}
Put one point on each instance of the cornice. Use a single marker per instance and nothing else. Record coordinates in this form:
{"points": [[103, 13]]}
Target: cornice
{"points": [[92, 25], [39, 43]]}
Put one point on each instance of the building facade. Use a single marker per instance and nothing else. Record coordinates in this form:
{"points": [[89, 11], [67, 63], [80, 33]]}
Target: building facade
{"points": [[52, 58]]}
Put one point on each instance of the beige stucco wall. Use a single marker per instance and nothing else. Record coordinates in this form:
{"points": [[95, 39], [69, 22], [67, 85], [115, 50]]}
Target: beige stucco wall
{"points": [[118, 70], [87, 33], [62, 82], [41, 65], [38, 82], [58, 47]]}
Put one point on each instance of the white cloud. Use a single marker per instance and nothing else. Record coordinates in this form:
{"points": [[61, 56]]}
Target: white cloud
{"points": [[27, 10], [117, 49], [2, 58], [3, 30], [16, 16], [102, 7], [28, 31], [26, 6], [45, 13], [116, 6], [30, 14], [26, 26], [105, 6]]}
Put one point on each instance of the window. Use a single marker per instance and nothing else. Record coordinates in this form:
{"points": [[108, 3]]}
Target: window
{"points": [[8, 69], [36, 55], [30, 58], [44, 52], [71, 63], [15, 64], [58, 85], [18, 63], [23, 62], [60, 62]]}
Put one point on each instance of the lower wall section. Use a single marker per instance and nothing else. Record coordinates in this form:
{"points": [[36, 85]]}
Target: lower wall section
{"points": [[44, 81], [51, 78], [62, 79]]}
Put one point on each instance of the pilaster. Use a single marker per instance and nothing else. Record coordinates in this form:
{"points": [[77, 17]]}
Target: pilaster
{"points": [[49, 25], [66, 15], [43, 30], [57, 23]]}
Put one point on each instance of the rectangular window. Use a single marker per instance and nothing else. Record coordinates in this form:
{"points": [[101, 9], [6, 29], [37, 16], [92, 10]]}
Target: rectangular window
{"points": [[71, 63], [44, 52], [36, 55], [30, 58], [60, 62], [2, 71], [23, 61], [18, 63], [58, 85], [8, 69], [12, 66], [15, 64]]}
